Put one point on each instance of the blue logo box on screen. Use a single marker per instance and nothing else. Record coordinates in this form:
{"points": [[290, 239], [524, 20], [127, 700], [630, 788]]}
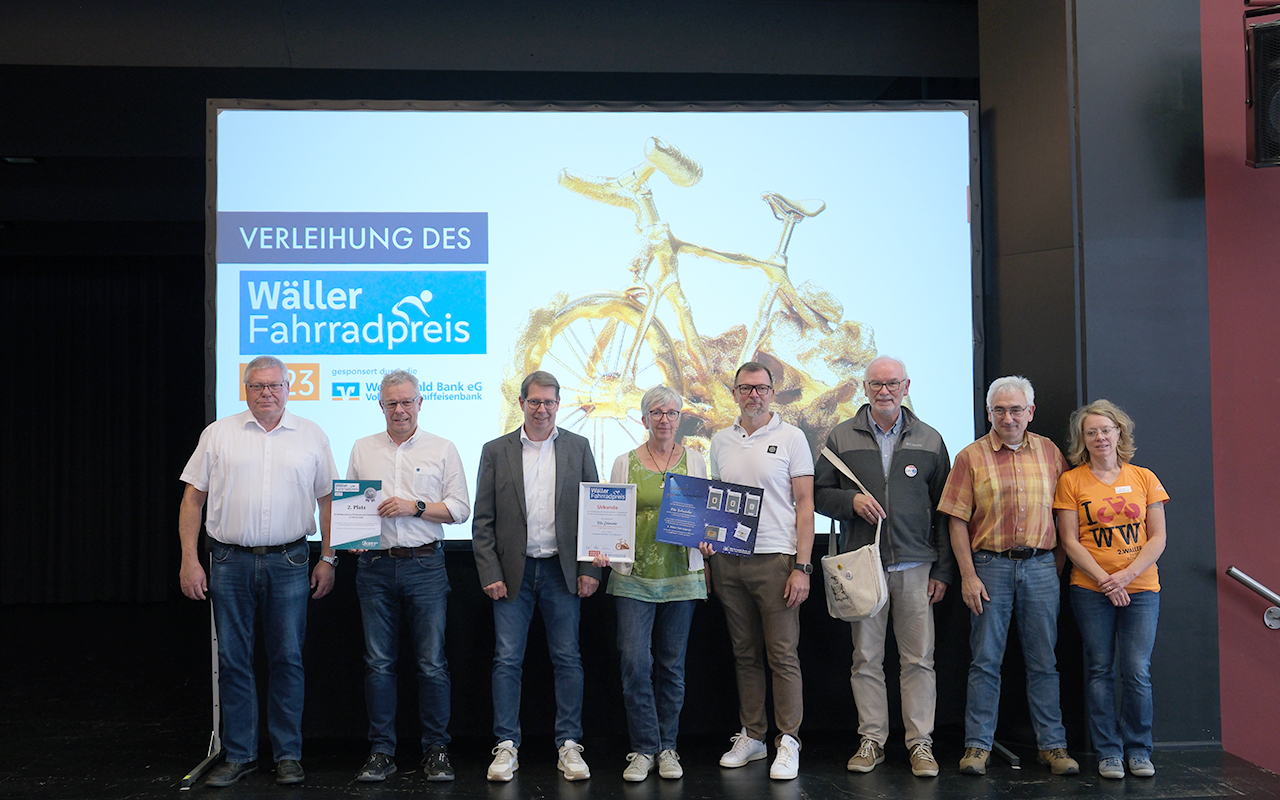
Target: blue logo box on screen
{"points": [[362, 312]]}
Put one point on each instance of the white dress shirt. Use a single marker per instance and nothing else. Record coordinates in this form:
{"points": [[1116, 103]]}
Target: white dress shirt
{"points": [[539, 461], [262, 485], [427, 468]]}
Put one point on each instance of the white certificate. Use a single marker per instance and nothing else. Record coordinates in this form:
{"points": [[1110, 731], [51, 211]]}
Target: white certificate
{"points": [[355, 524], [607, 521]]}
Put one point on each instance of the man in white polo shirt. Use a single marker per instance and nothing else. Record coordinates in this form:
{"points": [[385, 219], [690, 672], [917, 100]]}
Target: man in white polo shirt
{"points": [[262, 472], [404, 583], [762, 594]]}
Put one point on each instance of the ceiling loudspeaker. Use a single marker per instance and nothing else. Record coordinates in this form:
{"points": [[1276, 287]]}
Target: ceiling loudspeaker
{"points": [[1262, 126]]}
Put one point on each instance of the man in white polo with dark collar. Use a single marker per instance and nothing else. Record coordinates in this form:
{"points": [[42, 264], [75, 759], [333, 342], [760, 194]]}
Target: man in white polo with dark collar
{"points": [[761, 595]]}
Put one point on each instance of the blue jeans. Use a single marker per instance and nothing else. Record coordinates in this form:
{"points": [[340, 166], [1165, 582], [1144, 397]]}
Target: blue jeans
{"points": [[1118, 639], [415, 591], [275, 586], [543, 586], [652, 634], [1030, 589]]}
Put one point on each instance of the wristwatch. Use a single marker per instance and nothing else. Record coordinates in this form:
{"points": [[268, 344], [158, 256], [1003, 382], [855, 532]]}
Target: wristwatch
{"points": [[807, 569], [421, 507], [330, 560]]}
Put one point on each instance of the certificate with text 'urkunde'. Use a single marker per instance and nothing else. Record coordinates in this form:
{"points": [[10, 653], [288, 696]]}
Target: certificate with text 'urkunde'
{"points": [[607, 521]]}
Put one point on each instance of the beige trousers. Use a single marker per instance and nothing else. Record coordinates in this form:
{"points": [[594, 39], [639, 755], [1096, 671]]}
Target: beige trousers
{"points": [[913, 628]]}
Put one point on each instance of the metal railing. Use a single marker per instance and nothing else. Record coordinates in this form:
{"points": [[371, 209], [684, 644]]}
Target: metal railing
{"points": [[1272, 615]]}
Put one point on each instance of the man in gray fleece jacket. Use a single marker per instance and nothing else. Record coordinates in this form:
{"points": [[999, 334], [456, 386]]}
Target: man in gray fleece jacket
{"points": [[903, 463]]}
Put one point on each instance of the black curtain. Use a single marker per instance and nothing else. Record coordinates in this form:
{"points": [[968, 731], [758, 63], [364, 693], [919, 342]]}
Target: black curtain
{"points": [[104, 402]]}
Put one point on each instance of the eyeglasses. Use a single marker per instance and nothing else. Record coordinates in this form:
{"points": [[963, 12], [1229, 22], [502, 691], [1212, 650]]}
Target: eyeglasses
{"points": [[1014, 411], [746, 389], [671, 416], [405, 404], [892, 386], [537, 404], [1094, 433], [259, 388]]}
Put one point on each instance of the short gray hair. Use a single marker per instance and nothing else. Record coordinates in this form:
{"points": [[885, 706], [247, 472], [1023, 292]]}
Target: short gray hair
{"points": [[265, 362], [894, 359], [539, 378], [1012, 383], [396, 377], [660, 396]]}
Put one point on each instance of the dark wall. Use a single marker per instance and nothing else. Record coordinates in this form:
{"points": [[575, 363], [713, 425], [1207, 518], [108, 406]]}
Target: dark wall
{"points": [[735, 37], [1092, 118], [1032, 308], [1146, 303]]}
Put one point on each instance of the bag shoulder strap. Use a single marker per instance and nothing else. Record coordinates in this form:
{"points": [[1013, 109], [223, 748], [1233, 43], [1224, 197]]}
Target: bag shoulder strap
{"points": [[843, 467]]}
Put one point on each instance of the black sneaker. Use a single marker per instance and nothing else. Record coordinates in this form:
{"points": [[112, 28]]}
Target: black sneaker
{"points": [[379, 767], [229, 772], [436, 764], [289, 771]]}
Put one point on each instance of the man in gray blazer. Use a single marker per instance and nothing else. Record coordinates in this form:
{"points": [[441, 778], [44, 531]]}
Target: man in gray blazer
{"points": [[524, 533]]}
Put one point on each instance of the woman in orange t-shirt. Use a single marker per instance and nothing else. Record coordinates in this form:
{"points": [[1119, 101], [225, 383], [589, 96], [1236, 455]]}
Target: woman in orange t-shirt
{"points": [[1118, 509]]}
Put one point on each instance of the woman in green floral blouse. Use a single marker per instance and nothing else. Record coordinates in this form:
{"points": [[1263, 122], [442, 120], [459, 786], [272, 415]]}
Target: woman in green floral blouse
{"points": [[655, 596]]}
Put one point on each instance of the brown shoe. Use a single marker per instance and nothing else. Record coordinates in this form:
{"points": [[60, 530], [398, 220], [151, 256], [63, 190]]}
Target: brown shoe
{"points": [[923, 764], [975, 761], [1058, 760], [868, 756]]}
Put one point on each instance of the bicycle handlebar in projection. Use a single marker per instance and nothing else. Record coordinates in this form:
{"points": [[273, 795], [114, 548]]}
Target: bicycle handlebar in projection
{"points": [[616, 249]]}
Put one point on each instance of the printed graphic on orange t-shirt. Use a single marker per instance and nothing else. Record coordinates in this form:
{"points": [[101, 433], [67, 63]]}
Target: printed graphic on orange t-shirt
{"points": [[1112, 517]]}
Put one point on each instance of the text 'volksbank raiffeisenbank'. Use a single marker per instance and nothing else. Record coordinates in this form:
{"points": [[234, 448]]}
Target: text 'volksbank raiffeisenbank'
{"points": [[358, 312]]}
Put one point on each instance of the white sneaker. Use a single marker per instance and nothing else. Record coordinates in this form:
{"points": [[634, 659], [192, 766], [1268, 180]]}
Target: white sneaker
{"points": [[669, 764], [571, 763], [639, 768], [505, 762], [744, 750], [787, 763]]}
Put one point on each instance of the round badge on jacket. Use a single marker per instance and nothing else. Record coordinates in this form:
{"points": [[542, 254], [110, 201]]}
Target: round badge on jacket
{"points": [[911, 470]]}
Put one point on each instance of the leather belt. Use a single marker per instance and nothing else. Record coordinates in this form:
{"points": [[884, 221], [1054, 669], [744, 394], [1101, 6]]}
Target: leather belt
{"points": [[421, 551], [263, 550], [1021, 553]]}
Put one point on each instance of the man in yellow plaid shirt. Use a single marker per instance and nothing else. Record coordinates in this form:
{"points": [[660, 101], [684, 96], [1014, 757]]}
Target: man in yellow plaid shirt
{"points": [[1000, 500]]}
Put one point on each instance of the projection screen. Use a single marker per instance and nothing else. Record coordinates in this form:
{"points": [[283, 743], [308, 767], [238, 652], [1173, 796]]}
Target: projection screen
{"points": [[615, 247]]}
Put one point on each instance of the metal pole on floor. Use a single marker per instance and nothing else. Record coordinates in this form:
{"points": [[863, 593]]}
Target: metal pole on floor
{"points": [[1007, 755], [215, 738]]}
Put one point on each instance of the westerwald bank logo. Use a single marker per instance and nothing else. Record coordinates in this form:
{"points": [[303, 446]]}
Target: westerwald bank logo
{"points": [[346, 390]]}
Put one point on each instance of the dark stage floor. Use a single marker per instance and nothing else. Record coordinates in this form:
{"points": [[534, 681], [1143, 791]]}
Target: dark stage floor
{"points": [[113, 702], [94, 762]]}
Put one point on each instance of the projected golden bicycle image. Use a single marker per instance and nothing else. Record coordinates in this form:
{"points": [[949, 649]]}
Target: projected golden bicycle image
{"points": [[608, 347]]}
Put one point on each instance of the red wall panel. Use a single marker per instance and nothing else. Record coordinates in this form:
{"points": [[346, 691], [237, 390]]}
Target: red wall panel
{"points": [[1243, 221]]}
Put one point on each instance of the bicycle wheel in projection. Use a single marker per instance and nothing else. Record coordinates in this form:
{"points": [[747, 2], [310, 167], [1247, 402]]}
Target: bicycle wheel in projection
{"points": [[584, 343]]}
